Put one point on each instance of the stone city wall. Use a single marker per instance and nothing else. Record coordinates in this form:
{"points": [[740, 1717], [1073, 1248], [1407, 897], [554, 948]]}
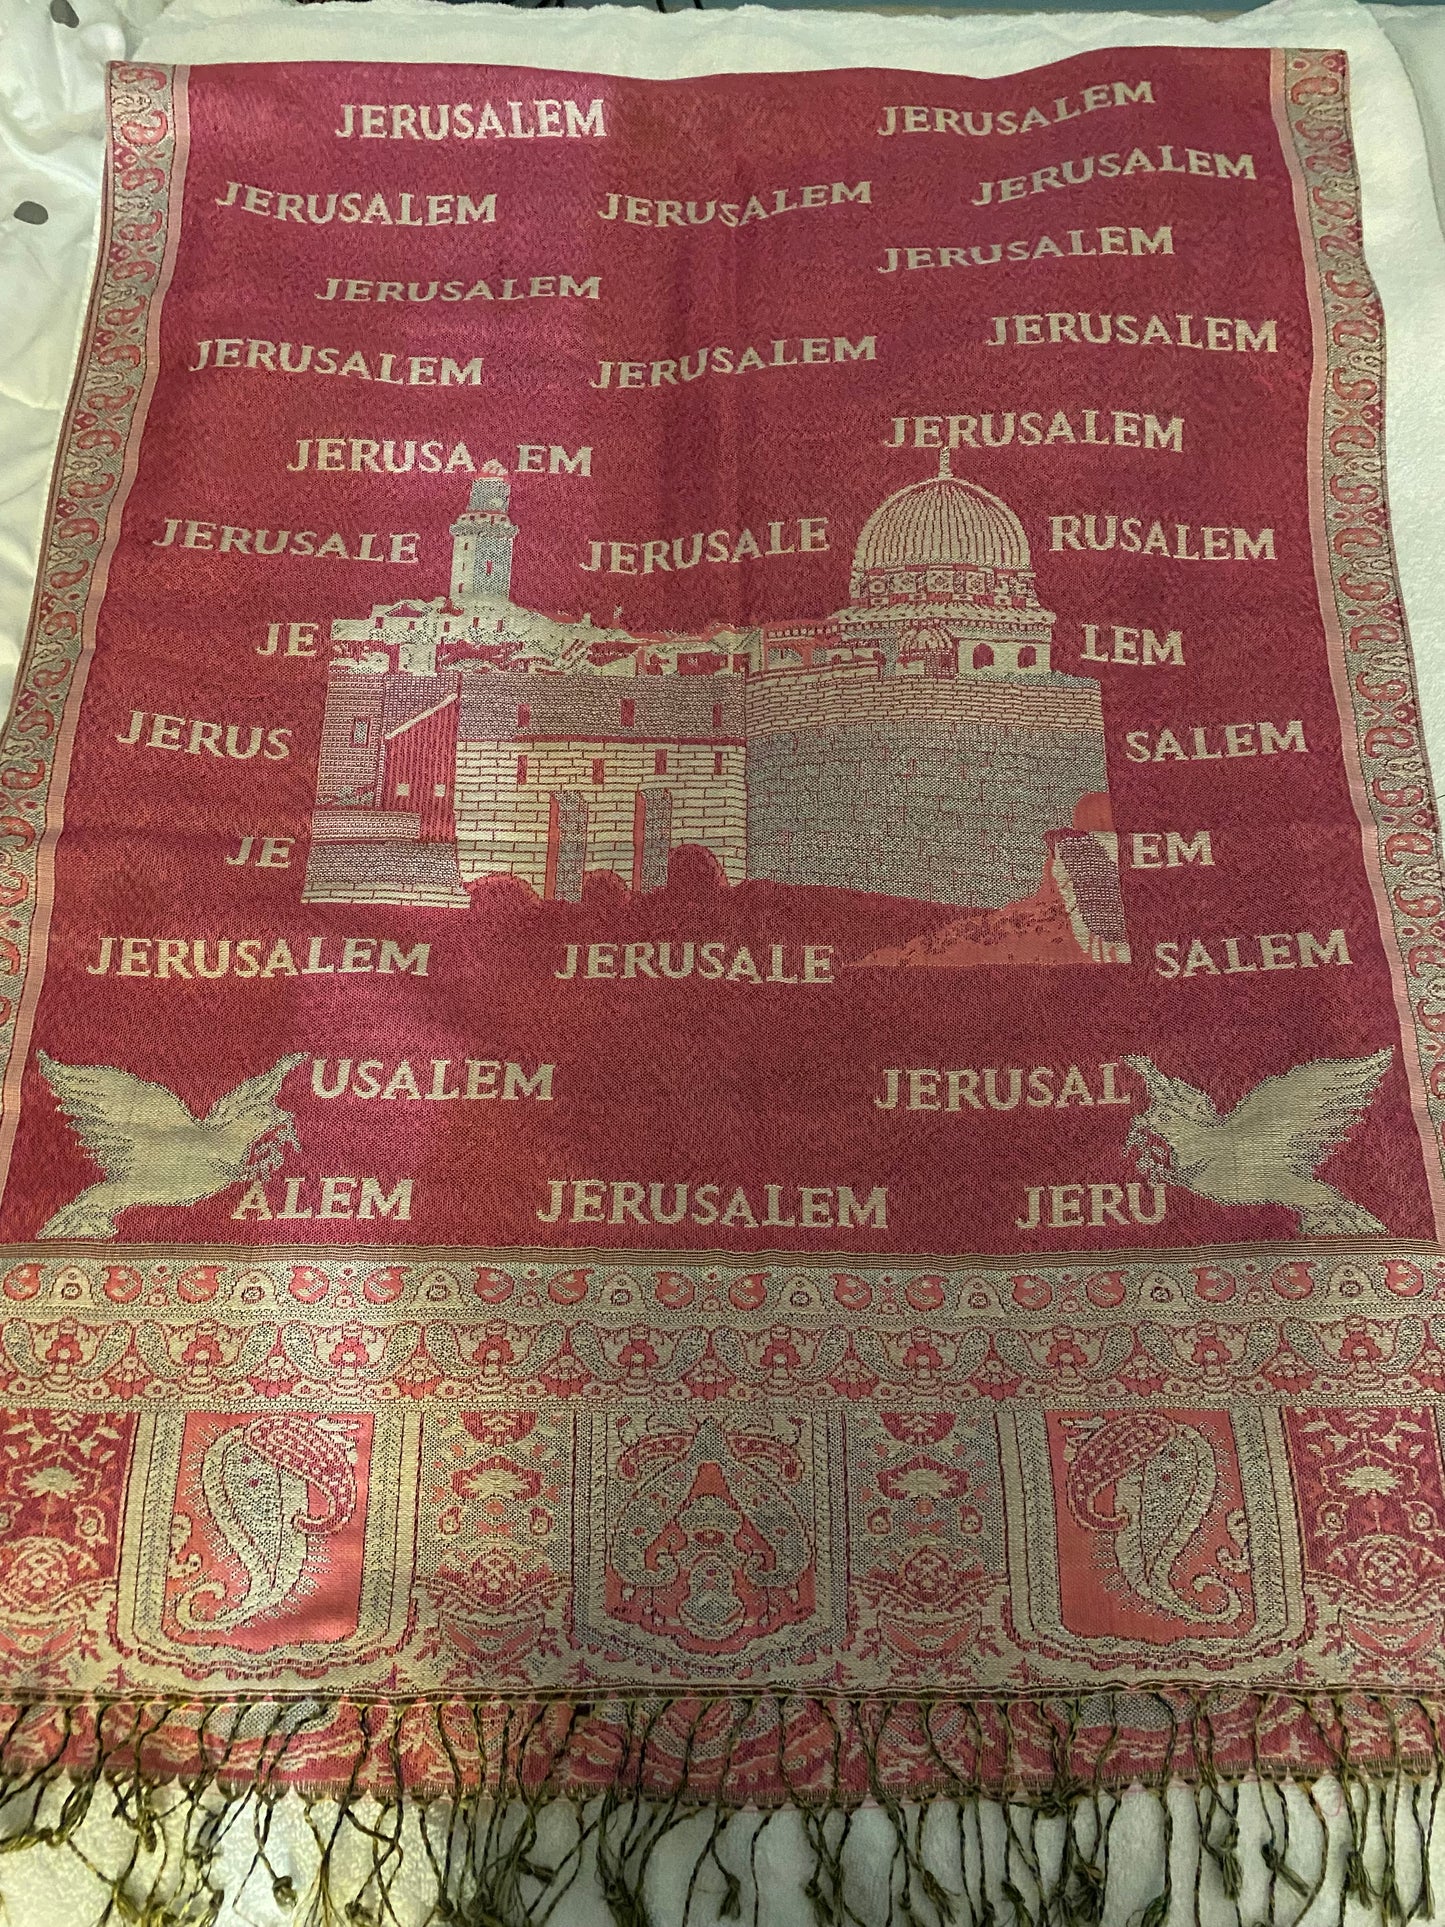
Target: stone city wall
{"points": [[502, 823], [351, 739], [947, 812], [501, 703], [803, 699]]}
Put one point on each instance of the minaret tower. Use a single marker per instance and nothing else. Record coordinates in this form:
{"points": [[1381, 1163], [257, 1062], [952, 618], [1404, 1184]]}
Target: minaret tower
{"points": [[482, 538]]}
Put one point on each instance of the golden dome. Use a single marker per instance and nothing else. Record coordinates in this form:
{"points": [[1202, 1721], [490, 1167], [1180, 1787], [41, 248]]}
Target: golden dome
{"points": [[943, 522]]}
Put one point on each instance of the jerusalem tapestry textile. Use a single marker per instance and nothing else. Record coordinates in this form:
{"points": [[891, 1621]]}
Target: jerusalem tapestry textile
{"points": [[722, 1023]]}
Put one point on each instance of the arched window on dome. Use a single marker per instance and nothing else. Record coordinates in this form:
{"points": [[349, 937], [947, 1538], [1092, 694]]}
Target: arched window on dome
{"points": [[983, 657], [1028, 656]]}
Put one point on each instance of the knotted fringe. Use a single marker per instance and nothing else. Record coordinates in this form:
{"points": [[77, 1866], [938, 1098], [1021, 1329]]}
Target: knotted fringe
{"points": [[1139, 1809]]}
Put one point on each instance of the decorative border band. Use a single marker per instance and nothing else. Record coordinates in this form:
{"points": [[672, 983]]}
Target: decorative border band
{"points": [[96, 464], [301, 1328], [1359, 581]]}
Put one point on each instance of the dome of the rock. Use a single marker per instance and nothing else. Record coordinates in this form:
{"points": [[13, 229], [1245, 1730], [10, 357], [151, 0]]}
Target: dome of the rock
{"points": [[942, 522]]}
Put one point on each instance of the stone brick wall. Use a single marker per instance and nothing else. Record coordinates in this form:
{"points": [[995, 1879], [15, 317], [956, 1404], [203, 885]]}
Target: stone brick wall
{"points": [[713, 810], [502, 823], [662, 708], [947, 812], [804, 699], [385, 872], [935, 789], [365, 826], [349, 769]]}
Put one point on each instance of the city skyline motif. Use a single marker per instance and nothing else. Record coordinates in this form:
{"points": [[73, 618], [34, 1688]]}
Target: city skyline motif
{"points": [[915, 744]]}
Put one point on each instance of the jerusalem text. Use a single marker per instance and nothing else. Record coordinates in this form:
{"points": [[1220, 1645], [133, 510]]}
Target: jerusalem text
{"points": [[980, 123], [474, 1078], [162, 958], [464, 120], [711, 962], [364, 207], [1125, 644], [304, 358], [992, 1089], [637, 211], [807, 535], [1211, 333], [807, 1207], [1040, 428], [1109, 167], [1243, 956], [1081, 242], [535, 287], [237, 741], [807, 351], [1179, 541], [332, 1197], [1215, 742], [225, 538], [1058, 1207]]}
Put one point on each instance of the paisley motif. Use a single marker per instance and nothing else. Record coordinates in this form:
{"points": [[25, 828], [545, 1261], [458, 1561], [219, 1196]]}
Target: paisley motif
{"points": [[260, 1483], [1150, 1482]]}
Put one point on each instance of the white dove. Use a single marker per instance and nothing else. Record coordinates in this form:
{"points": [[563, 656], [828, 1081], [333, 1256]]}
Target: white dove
{"points": [[1268, 1148], [153, 1150]]}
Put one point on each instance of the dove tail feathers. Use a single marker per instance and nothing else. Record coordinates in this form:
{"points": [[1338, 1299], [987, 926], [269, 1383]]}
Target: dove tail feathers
{"points": [[1341, 1219], [86, 1217]]}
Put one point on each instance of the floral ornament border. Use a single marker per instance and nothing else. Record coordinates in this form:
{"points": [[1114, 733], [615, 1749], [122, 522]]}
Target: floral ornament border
{"points": [[303, 1327], [213, 1366], [1358, 552], [93, 471]]}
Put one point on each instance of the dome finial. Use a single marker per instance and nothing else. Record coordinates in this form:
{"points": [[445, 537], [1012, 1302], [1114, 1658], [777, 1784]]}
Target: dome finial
{"points": [[944, 471]]}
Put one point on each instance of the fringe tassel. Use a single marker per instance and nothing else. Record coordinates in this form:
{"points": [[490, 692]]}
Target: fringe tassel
{"points": [[676, 1812]]}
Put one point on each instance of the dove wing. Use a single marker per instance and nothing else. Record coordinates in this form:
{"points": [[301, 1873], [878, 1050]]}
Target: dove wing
{"points": [[112, 1111], [1301, 1116], [258, 1090], [1173, 1091]]}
